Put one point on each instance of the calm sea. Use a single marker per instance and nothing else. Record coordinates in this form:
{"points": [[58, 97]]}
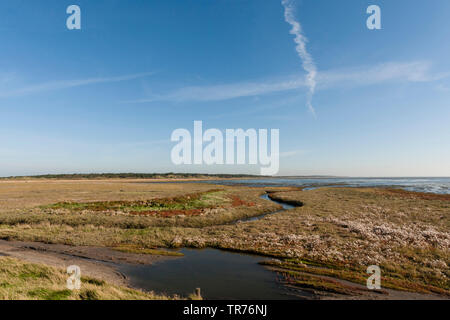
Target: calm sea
{"points": [[432, 185]]}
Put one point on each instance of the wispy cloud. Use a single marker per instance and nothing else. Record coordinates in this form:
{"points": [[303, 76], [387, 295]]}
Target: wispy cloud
{"points": [[307, 61], [416, 71], [443, 88], [6, 78], [287, 154], [65, 84], [226, 91], [384, 73]]}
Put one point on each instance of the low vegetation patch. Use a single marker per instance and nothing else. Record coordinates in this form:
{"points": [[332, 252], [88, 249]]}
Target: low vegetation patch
{"points": [[133, 248], [317, 285], [183, 204], [319, 276], [414, 195]]}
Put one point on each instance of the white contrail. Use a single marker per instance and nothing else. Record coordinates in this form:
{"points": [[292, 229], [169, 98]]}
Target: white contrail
{"points": [[66, 84], [386, 73], [301, 40]]}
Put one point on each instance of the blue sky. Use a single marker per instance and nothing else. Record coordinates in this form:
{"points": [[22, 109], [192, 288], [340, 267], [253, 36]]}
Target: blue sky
{"points": [[106, 98]]}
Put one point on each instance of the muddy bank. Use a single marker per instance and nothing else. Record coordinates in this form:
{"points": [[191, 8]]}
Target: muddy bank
{"points": [[212, 269]]}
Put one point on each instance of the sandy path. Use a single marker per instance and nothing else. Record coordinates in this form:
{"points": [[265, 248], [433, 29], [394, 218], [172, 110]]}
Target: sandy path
{"points": [[97, 262]]}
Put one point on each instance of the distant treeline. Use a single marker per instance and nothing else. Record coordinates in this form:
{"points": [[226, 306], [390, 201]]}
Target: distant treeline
{"points": [[169, 175]]}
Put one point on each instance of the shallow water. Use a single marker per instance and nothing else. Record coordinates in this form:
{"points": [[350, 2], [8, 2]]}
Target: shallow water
{"points": [[266, 197], [219, 274]]}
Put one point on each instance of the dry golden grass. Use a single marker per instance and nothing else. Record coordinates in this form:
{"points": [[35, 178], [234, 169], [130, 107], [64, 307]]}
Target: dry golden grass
{"points": [[26, 281], [46, 222], [21, 194]]}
